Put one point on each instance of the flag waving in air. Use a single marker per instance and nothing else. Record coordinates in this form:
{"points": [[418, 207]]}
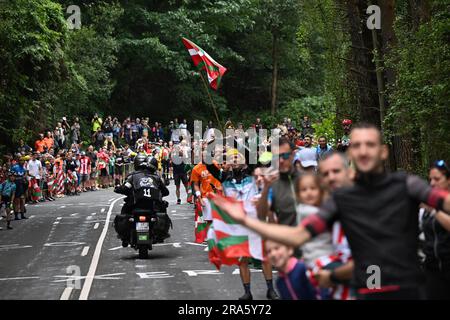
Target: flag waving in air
{"points": [[203, 61], [229, 241]]}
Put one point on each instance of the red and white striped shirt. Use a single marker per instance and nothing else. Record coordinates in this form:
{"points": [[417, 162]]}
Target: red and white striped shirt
{"points": [[85, 165]]}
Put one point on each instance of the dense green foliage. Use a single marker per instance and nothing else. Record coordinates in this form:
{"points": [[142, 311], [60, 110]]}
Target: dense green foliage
{"points": [[128, 59]]}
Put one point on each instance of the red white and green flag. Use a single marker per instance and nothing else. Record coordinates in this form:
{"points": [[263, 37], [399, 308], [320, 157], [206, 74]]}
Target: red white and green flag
{"points": [[203, 61], [228, 241], [201, 225]]}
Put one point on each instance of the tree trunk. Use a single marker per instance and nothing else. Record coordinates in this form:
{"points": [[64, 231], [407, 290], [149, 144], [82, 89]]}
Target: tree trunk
{"points": [[364, 77], [273, 103]]}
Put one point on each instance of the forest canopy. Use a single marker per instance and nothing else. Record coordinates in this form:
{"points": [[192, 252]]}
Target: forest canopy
{"points": [[285, 58]]}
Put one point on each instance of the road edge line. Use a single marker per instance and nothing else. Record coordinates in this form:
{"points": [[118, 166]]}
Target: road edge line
{"points": [[96, 256]]}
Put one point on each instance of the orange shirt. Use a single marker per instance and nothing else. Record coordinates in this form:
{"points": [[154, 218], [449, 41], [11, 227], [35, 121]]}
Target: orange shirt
{"points": [[48, 142], [39, 145], [201, 175]]}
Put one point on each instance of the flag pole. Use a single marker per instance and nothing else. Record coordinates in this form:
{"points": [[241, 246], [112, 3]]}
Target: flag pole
{"points": [[210, 99]]}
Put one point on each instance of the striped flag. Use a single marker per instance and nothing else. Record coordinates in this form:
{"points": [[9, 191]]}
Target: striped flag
{"points": [[229, 241], [203, 61], [201, 225]]}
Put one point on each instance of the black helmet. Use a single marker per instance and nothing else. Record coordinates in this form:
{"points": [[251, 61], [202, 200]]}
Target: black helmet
{"points": [[139, 162], [152, 164]]}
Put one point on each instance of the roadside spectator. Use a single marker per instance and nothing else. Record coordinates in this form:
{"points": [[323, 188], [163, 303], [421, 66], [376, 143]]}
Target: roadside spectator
{"points": [[40, 145], [117, 128], [23, 147], [98, 138], [49, 141], [306, 126], [278, 201], [34, 168], [66, 127], [323, 148], [306, 156], [76, 131], [96, 123], [292, 283], [60, 136]]}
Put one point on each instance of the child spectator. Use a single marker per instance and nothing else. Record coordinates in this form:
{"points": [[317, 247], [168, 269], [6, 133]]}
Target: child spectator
{"points": [[7, 195], [293, 283]]}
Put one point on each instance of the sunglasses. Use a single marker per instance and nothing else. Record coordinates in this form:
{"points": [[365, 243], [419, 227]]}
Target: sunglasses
{"points": [[284, 156]]}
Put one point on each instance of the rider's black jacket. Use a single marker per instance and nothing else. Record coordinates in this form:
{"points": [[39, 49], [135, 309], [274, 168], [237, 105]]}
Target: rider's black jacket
{"points": [[144, 190]]}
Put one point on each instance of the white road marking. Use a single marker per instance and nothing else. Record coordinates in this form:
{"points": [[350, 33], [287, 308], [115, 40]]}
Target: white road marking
{"points": [[63, 244], [32, 216], [111, 199], [111, 276], [56, 222], [59, 218], [96, 226], [115, 248], [62, 207], [89, 218], [197, 244], [173, 211], [13, 246], [85, 251], [18, 278], [176, 244], [93, 213], [194, 273], [102, 210], [154, 275], [74, 214], [96, 256], [66, 293], [206, 249]]}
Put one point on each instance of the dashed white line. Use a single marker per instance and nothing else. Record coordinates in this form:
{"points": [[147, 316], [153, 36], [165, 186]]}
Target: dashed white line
{"points": [[56, 222], [96, 225], [102, 210], [115, 248], [66, 293], [18, 278], [74, 214], [197, 244], [59, 218], [96, 256], [62, 207], [85, 251], [93, 213]]}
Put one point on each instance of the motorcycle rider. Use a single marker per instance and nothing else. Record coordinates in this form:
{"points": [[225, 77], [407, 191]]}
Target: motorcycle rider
{"points": [[139, 188]]}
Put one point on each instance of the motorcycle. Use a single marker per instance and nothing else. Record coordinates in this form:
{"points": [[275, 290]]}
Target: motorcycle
{"points": [[142, 229]]}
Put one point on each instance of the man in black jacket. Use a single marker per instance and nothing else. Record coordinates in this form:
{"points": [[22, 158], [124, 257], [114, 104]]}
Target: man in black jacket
{"points": [[144, 190]]}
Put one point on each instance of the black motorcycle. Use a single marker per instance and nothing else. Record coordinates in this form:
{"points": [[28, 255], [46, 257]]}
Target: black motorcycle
{"points": [[142, 229]]}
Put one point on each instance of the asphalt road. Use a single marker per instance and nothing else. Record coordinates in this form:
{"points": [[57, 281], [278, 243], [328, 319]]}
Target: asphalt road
{"points": [[68, 249]]}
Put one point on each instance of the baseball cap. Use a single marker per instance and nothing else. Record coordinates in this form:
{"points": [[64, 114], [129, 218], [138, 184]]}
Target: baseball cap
{"points": [[307, 157]]}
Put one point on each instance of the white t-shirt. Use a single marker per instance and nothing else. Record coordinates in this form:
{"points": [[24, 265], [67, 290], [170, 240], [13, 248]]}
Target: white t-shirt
{"points": [[34, 168]]}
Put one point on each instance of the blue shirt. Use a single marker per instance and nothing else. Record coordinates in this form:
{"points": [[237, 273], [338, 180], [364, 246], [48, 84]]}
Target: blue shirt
{"points": [[295, 285], [18, 170], [7, 188]]}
